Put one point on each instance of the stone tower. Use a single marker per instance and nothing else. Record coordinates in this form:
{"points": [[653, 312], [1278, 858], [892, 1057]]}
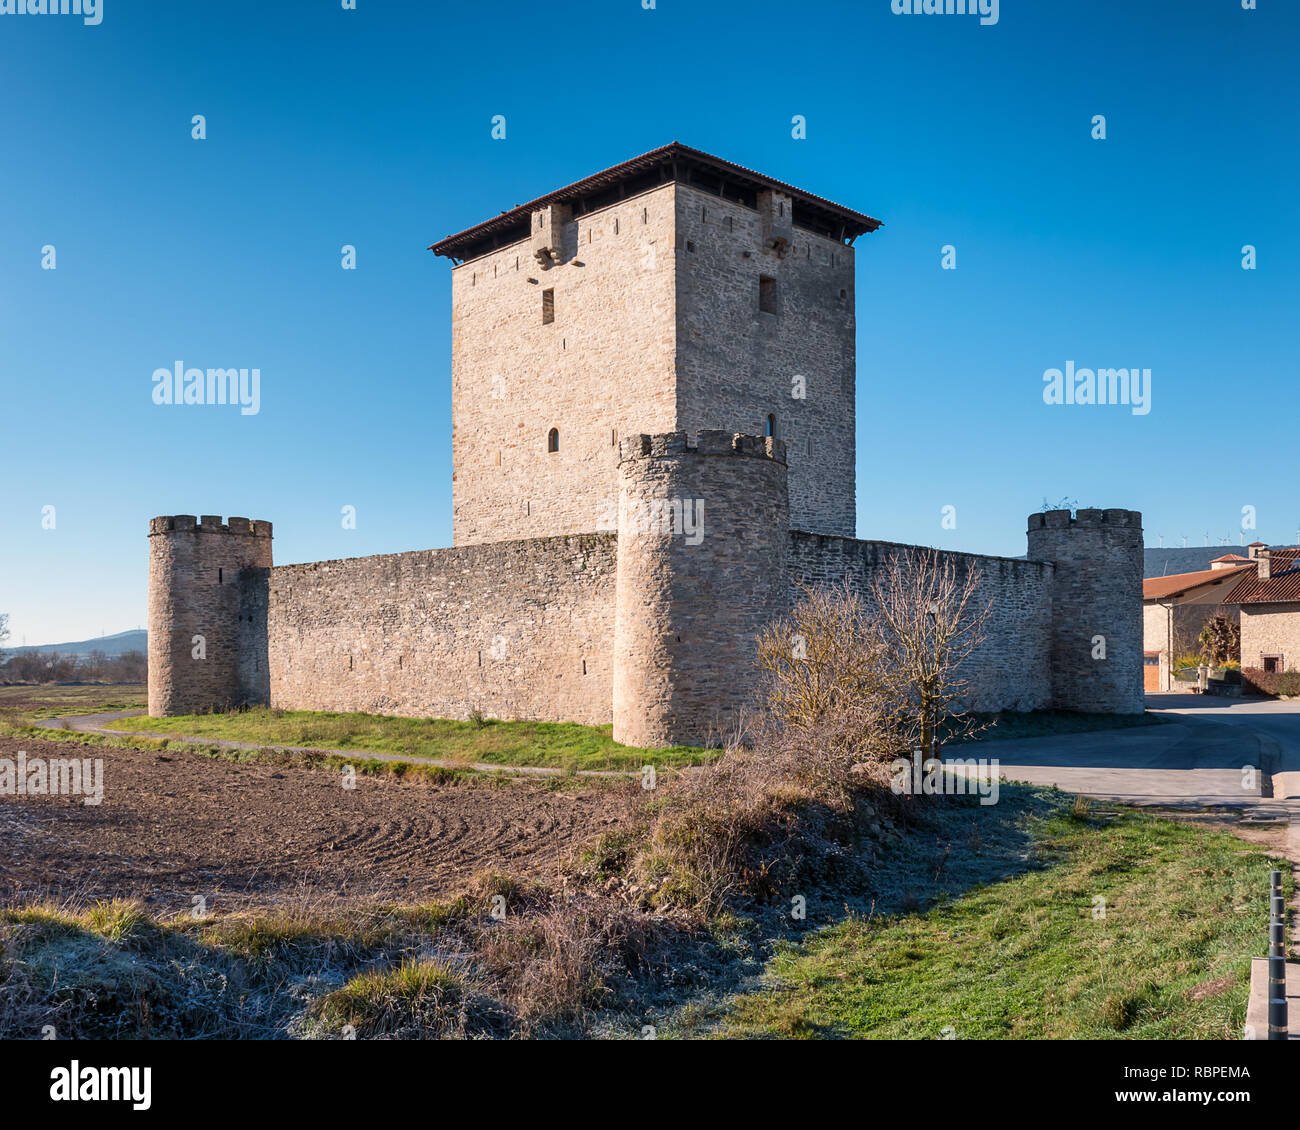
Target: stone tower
{"points": [[674, 292], [202, 642], [1096, 633], [703, 537]]}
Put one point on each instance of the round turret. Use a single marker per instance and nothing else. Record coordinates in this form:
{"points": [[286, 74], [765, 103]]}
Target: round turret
{"points": [[199, 577], [703, 537]]}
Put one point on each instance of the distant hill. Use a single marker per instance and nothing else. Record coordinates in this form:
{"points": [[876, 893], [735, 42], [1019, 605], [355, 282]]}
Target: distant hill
{"points": [[1168, 560], [119, 644]]}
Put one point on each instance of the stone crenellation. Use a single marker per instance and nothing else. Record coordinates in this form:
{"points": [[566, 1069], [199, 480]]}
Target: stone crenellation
{"points": [[653, 411]]}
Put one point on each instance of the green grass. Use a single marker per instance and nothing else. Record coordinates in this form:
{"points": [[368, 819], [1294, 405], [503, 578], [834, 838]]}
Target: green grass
{"points": [[1048, 723], [1025, 958], [561, 745], [51, 701]]}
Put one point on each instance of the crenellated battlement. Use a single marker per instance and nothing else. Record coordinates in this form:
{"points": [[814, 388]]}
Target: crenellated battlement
{"points": [[208, 524], [708, 442], [1085, 520]]}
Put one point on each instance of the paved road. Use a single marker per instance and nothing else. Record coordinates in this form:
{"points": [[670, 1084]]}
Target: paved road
{"points": [[1212, 751]]}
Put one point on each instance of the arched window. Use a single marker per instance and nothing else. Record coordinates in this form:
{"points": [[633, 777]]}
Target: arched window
{"points": [[553, 440], [771, 425]]}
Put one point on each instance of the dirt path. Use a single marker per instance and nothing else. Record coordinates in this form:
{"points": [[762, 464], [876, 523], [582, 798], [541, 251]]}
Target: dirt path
{"points": [[173, 826]]}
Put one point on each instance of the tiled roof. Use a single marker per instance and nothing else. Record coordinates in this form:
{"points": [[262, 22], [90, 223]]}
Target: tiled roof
{"points": [[1158, 588], [1284, 584], [667, 163], [1232, 557]]}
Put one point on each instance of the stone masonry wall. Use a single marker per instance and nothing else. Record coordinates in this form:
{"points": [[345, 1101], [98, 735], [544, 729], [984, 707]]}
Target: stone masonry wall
{"points": [[1011, 669], [737, 363], [520, 629], [1096, 659], [601, 370], [1271, 629]]}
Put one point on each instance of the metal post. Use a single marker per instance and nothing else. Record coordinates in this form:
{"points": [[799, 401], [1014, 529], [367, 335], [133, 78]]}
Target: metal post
{"points": [[1277, 1007]]}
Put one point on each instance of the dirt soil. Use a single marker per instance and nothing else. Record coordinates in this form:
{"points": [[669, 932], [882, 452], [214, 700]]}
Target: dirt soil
{"points": [[174, 825]]}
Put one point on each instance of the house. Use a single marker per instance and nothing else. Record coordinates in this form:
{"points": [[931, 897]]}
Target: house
{"points": [[1268, 597], [1175, 608]]}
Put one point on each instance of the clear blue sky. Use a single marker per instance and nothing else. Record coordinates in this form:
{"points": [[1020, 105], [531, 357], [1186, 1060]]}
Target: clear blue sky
{"points": [[372, 127]]}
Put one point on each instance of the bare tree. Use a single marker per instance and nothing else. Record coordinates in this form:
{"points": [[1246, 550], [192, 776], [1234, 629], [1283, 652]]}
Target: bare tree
{"points": [[929, 618], [827, 680]]}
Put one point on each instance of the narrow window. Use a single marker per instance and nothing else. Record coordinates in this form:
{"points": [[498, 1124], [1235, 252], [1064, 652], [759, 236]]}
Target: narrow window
{"points": [[220, 575], [771, 425], [690, 246], [548, 307], [553, 440], [584, 666], [767, 294]]}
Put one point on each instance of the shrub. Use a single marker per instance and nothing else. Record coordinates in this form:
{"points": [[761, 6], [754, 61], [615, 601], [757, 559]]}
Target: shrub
{"points": [[1255, 680]]}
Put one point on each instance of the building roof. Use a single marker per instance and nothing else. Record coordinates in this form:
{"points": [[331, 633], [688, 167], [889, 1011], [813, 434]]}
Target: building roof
{"points": [[1161, 588], [1284, 584], [674, 162], [1231, 557]]}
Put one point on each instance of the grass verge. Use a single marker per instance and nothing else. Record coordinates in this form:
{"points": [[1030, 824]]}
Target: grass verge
{"points": [[1166, 955], [559, 745]]}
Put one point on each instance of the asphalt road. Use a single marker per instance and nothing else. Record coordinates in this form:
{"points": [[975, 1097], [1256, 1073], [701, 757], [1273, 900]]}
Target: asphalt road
{"points": [[1211, 751]]}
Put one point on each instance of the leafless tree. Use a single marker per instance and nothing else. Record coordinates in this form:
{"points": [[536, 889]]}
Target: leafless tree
{"points": [[828, 683], [928, 619]]}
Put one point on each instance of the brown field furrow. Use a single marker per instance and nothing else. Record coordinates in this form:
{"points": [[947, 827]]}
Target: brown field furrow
{"points": [[176, 826]]}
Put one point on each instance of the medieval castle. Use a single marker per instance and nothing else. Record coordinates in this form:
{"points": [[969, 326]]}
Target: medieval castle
{"points": [[653, 412]]}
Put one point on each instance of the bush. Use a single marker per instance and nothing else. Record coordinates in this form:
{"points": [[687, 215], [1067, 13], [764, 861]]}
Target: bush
{"points": [[1255, 680]]}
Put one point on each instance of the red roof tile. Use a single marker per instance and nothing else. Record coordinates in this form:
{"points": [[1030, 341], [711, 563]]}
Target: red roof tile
{"points": [[1158, 588], [1283, 585]]}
